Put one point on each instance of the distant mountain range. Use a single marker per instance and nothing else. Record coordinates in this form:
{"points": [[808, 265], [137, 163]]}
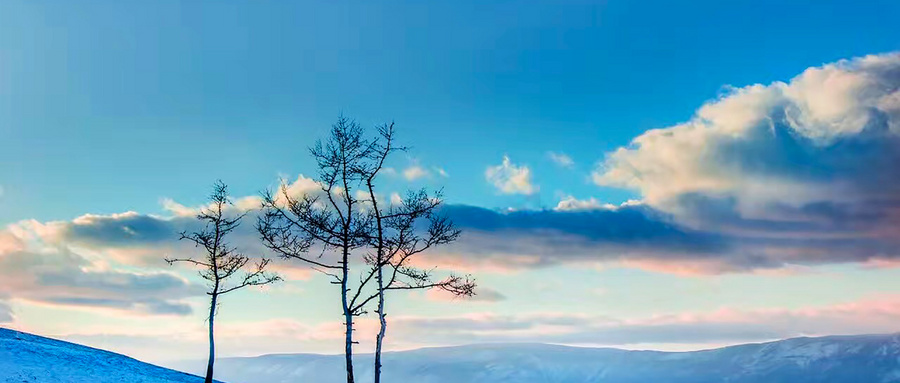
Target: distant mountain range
{"points": [[834, 359], [26, 358]]}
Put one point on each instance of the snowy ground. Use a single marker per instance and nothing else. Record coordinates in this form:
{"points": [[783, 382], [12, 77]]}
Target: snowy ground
{"points": [[26, 358]]}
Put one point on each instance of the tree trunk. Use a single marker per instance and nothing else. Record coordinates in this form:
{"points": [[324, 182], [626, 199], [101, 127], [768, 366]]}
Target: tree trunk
{"points": [[212, 344], [348, 323], [381, 317]]}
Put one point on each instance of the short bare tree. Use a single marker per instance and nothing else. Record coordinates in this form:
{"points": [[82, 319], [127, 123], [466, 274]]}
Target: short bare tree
{"points": [[223, 266]]}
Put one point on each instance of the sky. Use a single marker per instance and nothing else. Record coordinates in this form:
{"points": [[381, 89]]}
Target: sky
{"points": [[636, 174]]}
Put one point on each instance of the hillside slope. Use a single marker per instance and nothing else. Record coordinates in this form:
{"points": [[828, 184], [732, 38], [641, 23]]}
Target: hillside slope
{"points": [[26, 358]]}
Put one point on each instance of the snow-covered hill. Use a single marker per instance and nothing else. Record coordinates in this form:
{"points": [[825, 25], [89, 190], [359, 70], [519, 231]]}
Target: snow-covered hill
{"points": [[839, 359], [26, 358]]}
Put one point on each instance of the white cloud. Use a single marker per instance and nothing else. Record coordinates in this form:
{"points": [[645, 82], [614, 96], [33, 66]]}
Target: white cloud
{"points": [[510, 178], [561, 159], [570, 203], [415, 172], [396, 199], [300, 187], [826, 142]]}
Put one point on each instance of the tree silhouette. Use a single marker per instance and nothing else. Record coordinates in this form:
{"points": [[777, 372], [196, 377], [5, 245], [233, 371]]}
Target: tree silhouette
{"points": [[223, 265], [344, 224], [331, 221]]}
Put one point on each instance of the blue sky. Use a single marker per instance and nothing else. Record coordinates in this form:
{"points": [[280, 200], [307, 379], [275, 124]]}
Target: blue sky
{"points": [[767, 208], [102, 100]]}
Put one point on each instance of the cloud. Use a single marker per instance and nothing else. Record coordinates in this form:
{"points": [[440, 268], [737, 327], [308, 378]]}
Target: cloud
{"points": [[145, 240], [526, 239], [6, 313], [141, 239], [55, 275], [640, 236], [482, 294], [571, 203], [721, 326], [811, 158], [561, 159], [829, 136], [299, 187], [631, 234], [576, 232], [510, 178], [415, 172], [89, 261]]}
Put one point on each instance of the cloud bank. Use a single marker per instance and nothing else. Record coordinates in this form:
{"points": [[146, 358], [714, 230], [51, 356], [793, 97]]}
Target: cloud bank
{"points": [[49, 274]]}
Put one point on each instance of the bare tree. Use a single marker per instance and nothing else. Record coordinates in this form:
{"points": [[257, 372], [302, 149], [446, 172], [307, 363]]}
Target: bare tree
{"points": [[332, 221], [222, 263], [327, 229], [398, 234]]}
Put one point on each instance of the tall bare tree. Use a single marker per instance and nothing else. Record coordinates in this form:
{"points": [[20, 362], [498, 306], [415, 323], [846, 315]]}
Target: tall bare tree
{"points": [[223, 266], [398, 234], [343, 224], [332, 222]]}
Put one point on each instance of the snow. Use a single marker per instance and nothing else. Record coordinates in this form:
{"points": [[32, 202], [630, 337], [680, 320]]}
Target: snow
{"points": [[26, 358]]}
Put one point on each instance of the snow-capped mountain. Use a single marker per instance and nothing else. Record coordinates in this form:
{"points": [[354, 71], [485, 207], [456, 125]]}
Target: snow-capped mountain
{"points": [[26, 358], [837, 359]]}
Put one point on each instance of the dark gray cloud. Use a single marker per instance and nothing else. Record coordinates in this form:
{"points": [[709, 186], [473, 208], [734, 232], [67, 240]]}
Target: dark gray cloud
{"points": [[821, 233], [125, 229], [529, 238]]}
